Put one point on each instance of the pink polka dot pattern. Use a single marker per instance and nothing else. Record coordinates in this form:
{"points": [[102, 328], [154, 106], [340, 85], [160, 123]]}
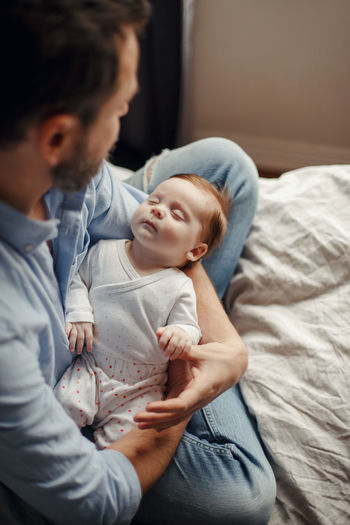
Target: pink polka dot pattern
{"points": [[108, 392]]}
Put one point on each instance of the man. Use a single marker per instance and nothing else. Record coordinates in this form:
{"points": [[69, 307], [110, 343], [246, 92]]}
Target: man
{"points": [[69, 71]]}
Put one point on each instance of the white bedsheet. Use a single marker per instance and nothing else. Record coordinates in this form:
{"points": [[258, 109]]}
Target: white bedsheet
{"points": [[290, 301]]}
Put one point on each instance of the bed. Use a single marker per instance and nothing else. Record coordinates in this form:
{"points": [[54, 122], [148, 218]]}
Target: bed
{"points": [[290, 301]]}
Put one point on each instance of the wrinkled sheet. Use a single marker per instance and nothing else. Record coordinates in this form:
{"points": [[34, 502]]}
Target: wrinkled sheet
{"points": [[290, 301]]}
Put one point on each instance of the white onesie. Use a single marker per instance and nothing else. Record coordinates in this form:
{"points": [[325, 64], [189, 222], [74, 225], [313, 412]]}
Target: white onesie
{"points": [[126, 369]]}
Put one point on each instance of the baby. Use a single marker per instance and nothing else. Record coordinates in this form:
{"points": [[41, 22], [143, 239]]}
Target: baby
{"points": [[142, 306]]}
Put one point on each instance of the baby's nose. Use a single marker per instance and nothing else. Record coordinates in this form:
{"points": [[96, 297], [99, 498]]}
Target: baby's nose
{"points": [[157, 212]]}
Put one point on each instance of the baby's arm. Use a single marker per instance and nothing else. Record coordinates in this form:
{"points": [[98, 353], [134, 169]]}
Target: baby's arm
{"points": [[79, 316], [182, 330], [173, 340]]}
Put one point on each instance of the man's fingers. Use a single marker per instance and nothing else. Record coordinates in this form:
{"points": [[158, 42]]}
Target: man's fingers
{"points": [[169, 405], [145, 417], [158, 426], [163, 420], [191, 353], [186, 402], [159, 420]]}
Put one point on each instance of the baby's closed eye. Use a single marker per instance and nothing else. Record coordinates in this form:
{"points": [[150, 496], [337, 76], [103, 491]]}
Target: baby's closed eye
{"points": [[153, 200], [178, 214]]}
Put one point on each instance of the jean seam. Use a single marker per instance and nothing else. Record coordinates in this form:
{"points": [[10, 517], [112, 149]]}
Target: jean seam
{"points": [[213, 428], [210, 420], [216, 449]]}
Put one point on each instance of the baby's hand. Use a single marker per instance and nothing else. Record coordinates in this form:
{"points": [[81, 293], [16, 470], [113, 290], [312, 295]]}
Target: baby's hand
{"points": [[78, 333], [173, 340]]}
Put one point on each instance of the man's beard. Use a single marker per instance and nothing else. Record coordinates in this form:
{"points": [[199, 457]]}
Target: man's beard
{"points": [[76, 173]]}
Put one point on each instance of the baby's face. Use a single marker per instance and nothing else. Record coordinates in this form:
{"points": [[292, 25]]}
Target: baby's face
{"points": [[170, 221]]}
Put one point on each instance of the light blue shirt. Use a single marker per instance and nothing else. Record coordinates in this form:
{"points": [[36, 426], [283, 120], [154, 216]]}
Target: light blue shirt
{"points": [[43, 457]]}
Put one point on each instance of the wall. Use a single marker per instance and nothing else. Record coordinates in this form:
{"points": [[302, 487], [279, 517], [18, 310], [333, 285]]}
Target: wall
{"points": [[274, 75]]}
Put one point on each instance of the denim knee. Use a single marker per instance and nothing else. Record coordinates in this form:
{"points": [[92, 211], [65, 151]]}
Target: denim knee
{"points": [[220, 152], [256, 501], [219, 490], [213, 158], [224, 507], [234, 485]]}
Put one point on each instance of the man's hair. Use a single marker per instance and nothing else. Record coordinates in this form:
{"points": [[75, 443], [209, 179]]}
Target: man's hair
{"points": [[59, 56], [215, 218]]}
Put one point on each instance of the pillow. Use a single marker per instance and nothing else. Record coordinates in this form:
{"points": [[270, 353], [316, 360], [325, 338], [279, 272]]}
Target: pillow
{"points": [[290, 301]]}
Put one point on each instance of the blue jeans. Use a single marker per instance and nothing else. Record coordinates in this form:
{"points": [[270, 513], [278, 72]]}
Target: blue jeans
{"points": [[219, 474]]}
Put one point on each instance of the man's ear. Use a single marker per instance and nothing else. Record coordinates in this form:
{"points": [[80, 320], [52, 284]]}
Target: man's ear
{"points": [[197, 252], [57, 137]]}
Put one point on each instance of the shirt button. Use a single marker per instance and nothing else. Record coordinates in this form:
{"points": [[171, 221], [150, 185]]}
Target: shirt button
{"points": [[28, 248]]}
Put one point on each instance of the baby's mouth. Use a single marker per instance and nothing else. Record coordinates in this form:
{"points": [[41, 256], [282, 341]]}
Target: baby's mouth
{"points": [[150, 224]]}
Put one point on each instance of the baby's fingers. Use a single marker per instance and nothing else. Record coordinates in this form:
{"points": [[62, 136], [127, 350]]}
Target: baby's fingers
{"points": [[175, 348], [171, 345], [72, 338], [160, 330], [88, 340], [68, 328], [80, 342], [164, 339]]}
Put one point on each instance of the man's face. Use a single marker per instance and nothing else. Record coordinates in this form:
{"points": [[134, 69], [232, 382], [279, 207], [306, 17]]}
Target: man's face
{"points": [[96, 142]]}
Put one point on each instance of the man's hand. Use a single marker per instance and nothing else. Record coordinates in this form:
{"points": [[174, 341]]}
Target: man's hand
{"points": [[78, 334], [202, 373], [173, 340]]}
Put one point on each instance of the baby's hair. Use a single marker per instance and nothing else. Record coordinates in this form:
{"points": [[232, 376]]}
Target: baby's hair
{"points": [[214, 228]]}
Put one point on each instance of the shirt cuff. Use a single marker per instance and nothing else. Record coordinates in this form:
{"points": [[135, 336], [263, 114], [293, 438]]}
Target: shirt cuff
{"points": [[79, 317], [128, 480], [193, 331]]}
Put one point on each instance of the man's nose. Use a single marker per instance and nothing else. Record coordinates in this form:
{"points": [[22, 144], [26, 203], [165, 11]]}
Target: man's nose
{"points": [[157, 212]]}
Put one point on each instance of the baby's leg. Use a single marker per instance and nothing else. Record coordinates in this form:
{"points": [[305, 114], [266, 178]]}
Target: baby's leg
{"points": [[76, 391], [119, 415]]}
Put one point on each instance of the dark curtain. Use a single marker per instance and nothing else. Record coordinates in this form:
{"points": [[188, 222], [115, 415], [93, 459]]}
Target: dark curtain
{"points": [[153, 119]]}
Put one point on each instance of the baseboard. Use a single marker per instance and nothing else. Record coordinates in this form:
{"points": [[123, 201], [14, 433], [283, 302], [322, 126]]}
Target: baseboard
{"points": [[282, 155]]}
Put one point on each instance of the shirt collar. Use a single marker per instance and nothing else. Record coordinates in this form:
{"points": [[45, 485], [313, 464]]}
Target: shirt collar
{"points": [[24, 234]]}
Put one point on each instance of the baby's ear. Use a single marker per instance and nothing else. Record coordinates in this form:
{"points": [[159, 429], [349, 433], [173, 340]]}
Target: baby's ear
{"points": [[197, 252]]}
